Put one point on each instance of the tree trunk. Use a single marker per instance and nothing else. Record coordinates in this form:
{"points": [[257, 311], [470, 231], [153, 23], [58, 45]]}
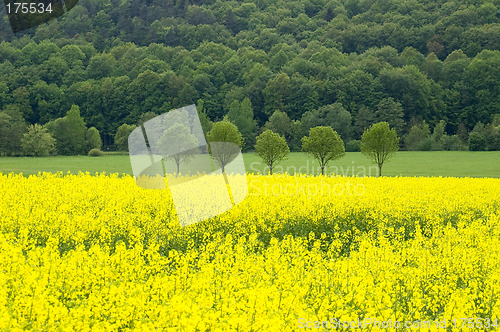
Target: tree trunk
{"points": [[178, 168], [322, 170], [271, 169], [379, 170]]}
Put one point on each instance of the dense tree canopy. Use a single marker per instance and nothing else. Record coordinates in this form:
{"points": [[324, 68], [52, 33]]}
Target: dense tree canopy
{"points": [[397, 61]]}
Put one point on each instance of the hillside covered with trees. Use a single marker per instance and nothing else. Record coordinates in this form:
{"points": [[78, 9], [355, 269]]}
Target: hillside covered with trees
{"points": [[429, 68]]}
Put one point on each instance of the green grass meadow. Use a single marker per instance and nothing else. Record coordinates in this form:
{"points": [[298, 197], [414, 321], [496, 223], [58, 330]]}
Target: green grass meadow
{"points": [[403, 163]]}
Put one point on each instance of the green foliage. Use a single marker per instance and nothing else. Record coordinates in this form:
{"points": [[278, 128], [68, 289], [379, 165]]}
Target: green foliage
{"points": [[101, 65], [364, 118], [177, 143], [439, 140], [391, 111], [379, 143], [37, 142], [180, 116], [281, 124], [453, 143], [206, 123], [438, 136], [281, 56], [121, 136], [462, 133], [492, 134], [485, 137], [324, 144], [482, 74], [146, 117], [95, 153], [353, 146], [69, 133], [93, 139], [272, 148], [334, 115], [225, 142], [495, 120], [477, 142], [297, 132], [12, 128], [418, 139], [241, 114], [277, 91]]}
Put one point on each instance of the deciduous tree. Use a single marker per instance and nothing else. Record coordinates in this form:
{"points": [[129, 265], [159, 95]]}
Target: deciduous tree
{"points": [[225, 142], [379, 143], [324, 145], [272, 148], [178, 144], [93, 139], [121, 136], [37, 142]]}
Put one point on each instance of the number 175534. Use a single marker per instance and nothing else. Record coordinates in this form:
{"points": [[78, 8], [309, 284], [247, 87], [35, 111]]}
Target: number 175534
{"points": [[28, 8], [475, 323]]}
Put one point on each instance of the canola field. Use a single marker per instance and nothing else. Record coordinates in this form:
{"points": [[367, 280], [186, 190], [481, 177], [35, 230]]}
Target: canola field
{"points": [[97, 253]]}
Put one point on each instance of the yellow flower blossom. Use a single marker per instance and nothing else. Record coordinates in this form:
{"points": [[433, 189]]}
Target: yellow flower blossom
{"points": [[95, 252]]}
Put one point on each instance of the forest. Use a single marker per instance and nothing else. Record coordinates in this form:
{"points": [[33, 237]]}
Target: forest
{"points": [[429, 68]]}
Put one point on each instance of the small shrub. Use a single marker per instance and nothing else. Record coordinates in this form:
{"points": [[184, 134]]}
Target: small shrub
{"points": [[353, 146], [95, 153]]}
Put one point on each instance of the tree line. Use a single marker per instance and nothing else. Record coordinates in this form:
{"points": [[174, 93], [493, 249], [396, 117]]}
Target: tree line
{"points": [[69, 135], [378, 143], [402, 96]]}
